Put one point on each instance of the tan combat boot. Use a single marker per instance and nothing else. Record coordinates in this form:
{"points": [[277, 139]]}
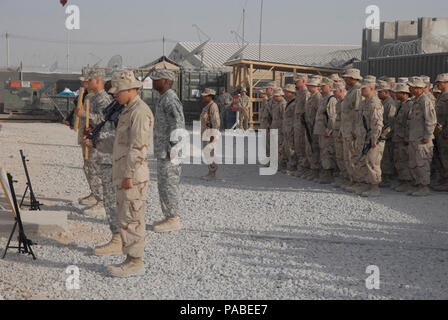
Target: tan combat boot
{"points": [[327, 177], [362, 188], [130, 267], [96, 211], [210, 176], [89, 200], [422, 191], [372, 191], [167, 225], [404, 186], [113, 248], [441, 187]]}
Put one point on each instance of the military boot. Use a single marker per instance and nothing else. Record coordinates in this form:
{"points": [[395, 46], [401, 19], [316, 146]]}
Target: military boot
{"points": [[130, 267], [210, 176], [363, 188], [113, 248], [386, 181], [422, 191], [96, 211], [372, 191], [348, 185], [167, 225], [354, 187], [89, 200], [326, 177], [316, 176], [441, 187], [305, 173], [404, 186]]}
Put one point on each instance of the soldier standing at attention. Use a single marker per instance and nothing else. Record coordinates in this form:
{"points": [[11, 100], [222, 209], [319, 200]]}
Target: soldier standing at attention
{"points": [[302, 96], [169, 117], [244, 104], [210, 124], [387, 164], [427, 89], [338, 140], [442, 137], [368, 167], [349, 118], [325, 118], [400, 137], [130, 171], [277, 109], [422, 120], [265, 117], [288, 128], [312, 141], [224, 102]]}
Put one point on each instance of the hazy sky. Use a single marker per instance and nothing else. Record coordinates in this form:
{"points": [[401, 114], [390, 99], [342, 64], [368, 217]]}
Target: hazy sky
{"points": [[284, 21]]}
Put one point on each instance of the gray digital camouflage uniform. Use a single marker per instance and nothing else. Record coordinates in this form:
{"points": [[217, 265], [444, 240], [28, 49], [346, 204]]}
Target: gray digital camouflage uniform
{"points": [[169, 117]]}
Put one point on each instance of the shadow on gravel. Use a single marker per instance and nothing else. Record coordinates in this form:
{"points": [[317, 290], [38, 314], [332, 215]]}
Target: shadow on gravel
{"points": [[51, 145], [333, 267]]}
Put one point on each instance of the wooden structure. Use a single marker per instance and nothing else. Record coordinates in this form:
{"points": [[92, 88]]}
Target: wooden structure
{"points": [[244, 75]]}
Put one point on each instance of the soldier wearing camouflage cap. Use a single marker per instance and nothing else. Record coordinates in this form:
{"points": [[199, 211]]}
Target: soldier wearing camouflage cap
{"points": [[387, 164], [350, 115], [312, 141], [277, 109], [302, 95], [324, 122], [442, 136], [339, 92], [427, 89], [288, 128], [169, 117], [400, 137], [244, 105], [210, 125], [422, 121], [130, 171]]}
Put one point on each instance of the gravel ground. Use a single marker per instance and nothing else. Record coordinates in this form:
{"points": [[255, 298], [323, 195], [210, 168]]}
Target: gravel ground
{"points": [[245, 236]]}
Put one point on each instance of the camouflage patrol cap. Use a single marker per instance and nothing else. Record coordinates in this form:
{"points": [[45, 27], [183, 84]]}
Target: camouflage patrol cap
{"points": [[401, 87], [208, 92], [443, 77], [416, 82], [326, 82], [290, 87], [163, 74], [352, 73], [383, 85], [403, 80], [124, 80], [338, 86], [301, 76], [335, 77], [314, 82], [271, 84], [426, 79], [368, 83], [278, 92], [390, 80], [370, 78], [96, 73]]}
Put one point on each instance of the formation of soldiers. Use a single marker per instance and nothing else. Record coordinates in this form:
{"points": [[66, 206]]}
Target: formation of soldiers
{"points": [[116, 167], [361, 133]]}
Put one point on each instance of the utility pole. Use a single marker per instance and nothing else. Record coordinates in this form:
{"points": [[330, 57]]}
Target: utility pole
{"points": [[7, 49], [244, 18], [163, 40], [261, 25], [68, 51]]}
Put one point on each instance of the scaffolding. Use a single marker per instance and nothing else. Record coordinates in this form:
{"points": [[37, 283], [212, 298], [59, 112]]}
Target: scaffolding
{"points": [[244, 75]]}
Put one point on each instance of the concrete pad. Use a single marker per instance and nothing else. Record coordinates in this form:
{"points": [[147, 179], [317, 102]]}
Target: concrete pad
{"points": [[41, 223]]}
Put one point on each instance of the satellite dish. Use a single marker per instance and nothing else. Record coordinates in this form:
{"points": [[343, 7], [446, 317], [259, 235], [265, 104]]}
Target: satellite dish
{"points": [[115, 63]]}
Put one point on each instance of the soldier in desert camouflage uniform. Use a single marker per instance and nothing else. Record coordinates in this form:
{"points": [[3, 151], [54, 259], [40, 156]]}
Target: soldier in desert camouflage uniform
{"points": [[278, 106], [302, 95], [422, 120], [288, 128], [338, 140]]}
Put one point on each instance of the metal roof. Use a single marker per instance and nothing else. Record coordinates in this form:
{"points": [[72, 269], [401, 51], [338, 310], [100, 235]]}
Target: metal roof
{"points": [[216, 54]]}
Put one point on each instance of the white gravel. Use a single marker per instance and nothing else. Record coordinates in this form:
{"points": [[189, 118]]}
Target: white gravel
{"points": [[245, 236]]}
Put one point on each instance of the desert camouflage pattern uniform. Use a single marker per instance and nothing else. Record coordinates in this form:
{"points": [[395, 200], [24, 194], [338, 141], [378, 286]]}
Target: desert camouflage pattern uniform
{"points": [[302, 97], [368, 169], [400, 139], [288, 135], [387, 164], [421, 122], [244, 103], [130, 151], [325, 119], [169, 117], [349, 117], [277, 110], [224, 102], [442, 138], [210, 114], [266, 120], [338, 145], [312, 149]]}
